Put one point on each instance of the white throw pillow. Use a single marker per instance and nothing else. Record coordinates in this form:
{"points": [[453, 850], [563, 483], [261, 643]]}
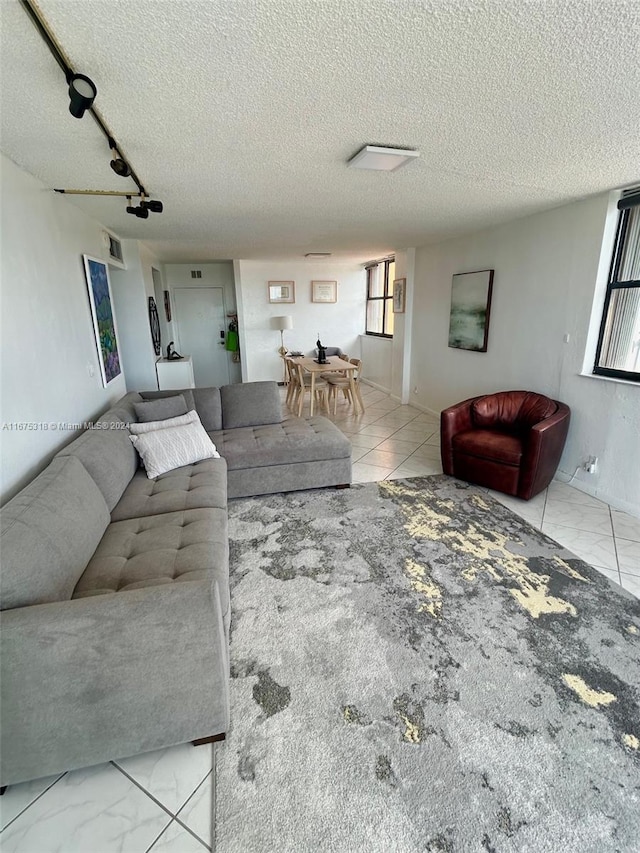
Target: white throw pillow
{"points": [[163, 450], [151, 426]]}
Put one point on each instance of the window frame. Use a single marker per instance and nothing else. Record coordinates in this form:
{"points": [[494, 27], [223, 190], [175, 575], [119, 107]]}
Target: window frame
{"points": [[613, 284], [386, 298]]}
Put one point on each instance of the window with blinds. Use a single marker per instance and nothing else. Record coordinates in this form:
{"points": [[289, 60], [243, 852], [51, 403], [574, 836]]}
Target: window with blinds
{"points": [[380, 275], [618, 352]]}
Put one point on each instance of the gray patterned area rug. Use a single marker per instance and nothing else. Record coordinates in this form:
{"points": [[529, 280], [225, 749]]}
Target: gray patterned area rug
{"points": [[415, 668]]}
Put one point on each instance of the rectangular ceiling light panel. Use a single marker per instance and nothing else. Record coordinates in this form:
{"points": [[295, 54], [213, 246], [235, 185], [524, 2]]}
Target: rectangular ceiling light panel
{"points": [[382, 159]]}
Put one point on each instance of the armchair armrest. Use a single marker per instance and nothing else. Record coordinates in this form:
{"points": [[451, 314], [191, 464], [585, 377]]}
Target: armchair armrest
{"points": [[453, 420], [93, 679], [542, 451]]}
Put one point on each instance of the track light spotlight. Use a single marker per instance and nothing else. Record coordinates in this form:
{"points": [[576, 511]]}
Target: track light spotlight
{"points": [[153, 206], [82, 94], [141, 212], [119, 166]]}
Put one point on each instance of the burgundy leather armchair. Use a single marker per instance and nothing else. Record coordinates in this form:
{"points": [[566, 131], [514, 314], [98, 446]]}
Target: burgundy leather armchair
{"points": [[510, 441]]}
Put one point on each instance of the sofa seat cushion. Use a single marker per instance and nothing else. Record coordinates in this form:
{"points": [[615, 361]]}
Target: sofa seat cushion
{"points": [[294, 440], [160, 549], [490, 444], [49, 532], [203, 484]]}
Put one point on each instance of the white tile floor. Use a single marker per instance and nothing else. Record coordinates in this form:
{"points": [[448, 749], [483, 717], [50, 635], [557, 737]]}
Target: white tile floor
{"points": [[163, 801]]}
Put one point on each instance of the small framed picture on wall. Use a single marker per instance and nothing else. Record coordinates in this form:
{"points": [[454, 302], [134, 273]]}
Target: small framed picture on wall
{"points": [[282, 291], [324, 291], [399, 295]]}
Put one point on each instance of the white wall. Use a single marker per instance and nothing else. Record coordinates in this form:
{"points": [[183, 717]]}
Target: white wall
{"points": [[47, 346], [131, 289], [547, 268], [377, 361], [338, 324]]}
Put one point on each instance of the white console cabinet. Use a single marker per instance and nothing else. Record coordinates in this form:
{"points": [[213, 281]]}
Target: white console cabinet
{"points": [[175, 374]]}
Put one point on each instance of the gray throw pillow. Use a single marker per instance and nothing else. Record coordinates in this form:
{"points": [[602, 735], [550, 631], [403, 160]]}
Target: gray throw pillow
{"points": [[160, 410]]}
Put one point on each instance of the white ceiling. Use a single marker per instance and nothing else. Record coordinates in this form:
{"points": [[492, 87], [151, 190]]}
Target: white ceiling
{"points": [[240, 115]]}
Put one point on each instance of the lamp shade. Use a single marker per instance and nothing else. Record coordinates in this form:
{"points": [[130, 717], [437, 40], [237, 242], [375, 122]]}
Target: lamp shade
{"points": [[282, 323]]}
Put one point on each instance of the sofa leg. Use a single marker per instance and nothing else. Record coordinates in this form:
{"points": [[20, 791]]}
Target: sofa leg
{"points": [[213, 739], [343, 486], [3, 789]]}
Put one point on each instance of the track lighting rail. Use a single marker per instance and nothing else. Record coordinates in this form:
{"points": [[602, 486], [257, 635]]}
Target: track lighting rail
{"points": [[119, 164], [125, 194]]}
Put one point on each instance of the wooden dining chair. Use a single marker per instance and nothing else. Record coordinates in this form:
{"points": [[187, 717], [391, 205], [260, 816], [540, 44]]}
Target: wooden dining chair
{"points": [[344, 357], [303, 384], [341, 381], [292, 380]]}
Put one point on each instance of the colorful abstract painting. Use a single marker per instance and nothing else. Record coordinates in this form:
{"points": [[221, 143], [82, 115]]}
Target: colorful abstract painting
{"points": [[104, 325]]}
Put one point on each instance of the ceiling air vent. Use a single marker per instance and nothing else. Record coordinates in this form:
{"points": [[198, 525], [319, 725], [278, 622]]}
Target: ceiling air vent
{"points": [[196, 273]]}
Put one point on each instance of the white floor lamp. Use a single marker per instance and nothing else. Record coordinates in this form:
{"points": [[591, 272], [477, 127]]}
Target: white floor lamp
{"points": [[281, 324]]}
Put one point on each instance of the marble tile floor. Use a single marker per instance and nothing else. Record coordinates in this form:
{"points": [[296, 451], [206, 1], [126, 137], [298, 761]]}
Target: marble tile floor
{"points": [[162, 802]]}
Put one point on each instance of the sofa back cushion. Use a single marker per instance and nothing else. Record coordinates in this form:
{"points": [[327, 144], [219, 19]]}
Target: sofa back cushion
{"points": [[250, 404], [206, 401], [511, 410], [107, 454], [125, 404], [49, 532]]}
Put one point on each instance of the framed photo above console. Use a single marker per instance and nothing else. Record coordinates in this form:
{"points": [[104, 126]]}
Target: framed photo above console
{"points": [[282, 291]]}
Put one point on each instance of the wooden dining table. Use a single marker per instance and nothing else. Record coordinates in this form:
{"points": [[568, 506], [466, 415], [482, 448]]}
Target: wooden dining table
{"points": [[334, 364]]}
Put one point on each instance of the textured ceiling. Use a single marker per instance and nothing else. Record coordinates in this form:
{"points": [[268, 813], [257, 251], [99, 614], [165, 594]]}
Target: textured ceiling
{"points": [[240, 115]]}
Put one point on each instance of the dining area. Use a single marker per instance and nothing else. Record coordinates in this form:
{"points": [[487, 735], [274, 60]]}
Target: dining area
{"points": [[325, 382]]}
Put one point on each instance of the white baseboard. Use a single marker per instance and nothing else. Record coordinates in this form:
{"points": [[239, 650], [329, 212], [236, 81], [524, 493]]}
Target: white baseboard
{"points": [[376, 386], [397, 399], [589, 489]]}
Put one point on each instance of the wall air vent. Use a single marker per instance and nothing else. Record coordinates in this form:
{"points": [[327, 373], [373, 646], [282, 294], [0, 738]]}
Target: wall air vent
{"points": [[196, 273], [317, 256], [113, 250]]}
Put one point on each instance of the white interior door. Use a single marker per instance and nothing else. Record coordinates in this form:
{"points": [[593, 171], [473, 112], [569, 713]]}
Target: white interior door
{"points": [[201, 326]]}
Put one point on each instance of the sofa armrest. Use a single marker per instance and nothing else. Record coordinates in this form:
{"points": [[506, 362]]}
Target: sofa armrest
{"points": [[542, 450], [453, 420], [93, 679]]}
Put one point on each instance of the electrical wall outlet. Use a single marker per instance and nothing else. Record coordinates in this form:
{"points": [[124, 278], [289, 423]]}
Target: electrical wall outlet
{"points": [[591, 464]]}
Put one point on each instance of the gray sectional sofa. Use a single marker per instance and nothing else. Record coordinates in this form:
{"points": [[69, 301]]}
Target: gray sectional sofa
{"points": [[115, 592]]}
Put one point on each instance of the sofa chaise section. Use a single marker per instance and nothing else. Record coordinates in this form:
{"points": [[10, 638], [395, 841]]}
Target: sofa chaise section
{"points": [[265, 452]]}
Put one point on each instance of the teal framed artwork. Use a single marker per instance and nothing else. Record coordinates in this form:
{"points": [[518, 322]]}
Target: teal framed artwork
{"points": [[103, 317], [470, 309]]}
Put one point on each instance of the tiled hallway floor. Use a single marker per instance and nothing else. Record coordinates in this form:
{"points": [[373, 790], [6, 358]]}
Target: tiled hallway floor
{"points": [[163, 801]]}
